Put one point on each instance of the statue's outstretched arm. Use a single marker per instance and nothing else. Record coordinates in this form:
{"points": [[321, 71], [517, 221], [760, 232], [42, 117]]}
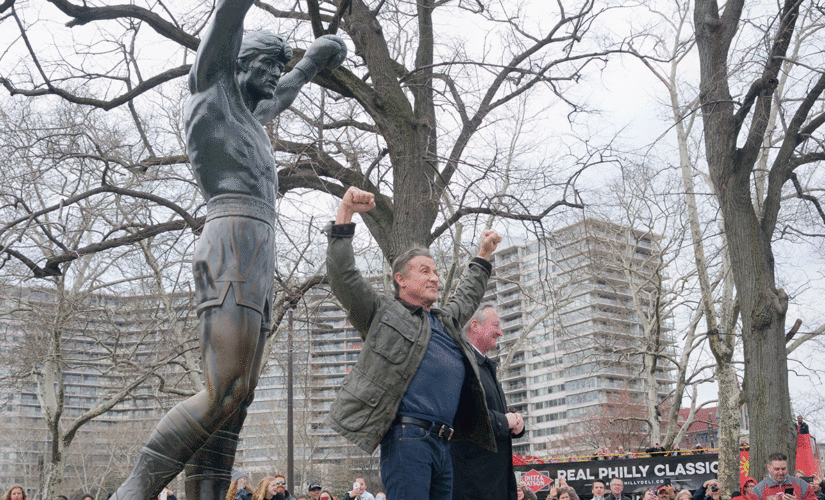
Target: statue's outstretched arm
{"points": [[220, 44], [326, 52]]}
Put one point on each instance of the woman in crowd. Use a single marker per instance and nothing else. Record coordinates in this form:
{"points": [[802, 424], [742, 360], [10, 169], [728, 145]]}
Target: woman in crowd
{"points": [[684, 495], [16, 492], [380, 496], [326, 495], [266, 489], [239, 488]]}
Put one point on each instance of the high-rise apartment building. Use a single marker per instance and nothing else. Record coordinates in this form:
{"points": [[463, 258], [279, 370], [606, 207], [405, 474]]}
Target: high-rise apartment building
{"points": [[574, 309]]}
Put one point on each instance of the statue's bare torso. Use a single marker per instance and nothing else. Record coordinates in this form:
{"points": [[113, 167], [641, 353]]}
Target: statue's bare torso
{"points": [[229, 150]]}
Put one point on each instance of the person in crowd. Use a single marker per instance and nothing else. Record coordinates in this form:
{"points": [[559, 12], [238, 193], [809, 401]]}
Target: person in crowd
{"points": [[380, 496], [620, 453], [16, 492], [60, 497], [563, 492], [801, 427], [566, 493], [302, 497], [798, 473], [743, 445], [280, 487], [239, 487], [655, 450], [817, 484], [616, 489], [779, 482], [601, 454], [662, 493], [710, 490], [479, 474], [684, 495], [314, 491], [747, 487], [598, 489], [668, 486], [430, 388], [87, 497], [325, 495], [525, 493], [675, 451], [267, 490], [359, 491]]}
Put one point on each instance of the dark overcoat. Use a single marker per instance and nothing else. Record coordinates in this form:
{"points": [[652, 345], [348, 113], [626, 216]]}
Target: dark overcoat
{"points": [[479, 474]]}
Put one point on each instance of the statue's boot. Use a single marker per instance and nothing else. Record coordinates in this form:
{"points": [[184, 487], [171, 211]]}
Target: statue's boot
{"points": [[209, 471], [176, 437]]}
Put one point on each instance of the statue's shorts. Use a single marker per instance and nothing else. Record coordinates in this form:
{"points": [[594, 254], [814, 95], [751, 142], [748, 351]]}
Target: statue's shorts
{"points": [[236, 250]]}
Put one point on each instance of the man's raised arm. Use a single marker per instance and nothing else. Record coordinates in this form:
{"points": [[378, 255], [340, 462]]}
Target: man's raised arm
{"points": [[326, 52], [220, 45]]}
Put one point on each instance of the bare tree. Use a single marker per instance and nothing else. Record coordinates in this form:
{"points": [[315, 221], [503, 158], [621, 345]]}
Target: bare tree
{"points": [[750, 226], [415, 108], [84, 339]]}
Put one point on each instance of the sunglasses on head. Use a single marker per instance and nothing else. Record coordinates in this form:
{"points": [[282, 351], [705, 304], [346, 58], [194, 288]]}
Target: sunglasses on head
{"points": [[280, 482]]}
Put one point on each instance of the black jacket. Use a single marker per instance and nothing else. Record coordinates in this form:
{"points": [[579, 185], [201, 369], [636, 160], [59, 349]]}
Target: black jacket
{"points": [[479, 474]]}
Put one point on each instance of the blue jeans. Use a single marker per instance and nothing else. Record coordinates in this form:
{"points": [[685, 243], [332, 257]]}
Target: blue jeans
{"points": [[416, 464]]}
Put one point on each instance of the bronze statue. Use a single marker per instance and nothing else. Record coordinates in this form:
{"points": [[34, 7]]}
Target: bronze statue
{"points": [[236, 85]]}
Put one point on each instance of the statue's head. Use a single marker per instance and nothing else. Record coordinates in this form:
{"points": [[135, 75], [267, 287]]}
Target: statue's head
{"points": [[263, 42], [261, 61]]}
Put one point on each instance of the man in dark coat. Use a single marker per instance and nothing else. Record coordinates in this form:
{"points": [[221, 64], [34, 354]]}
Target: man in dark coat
{"points": [[801, 427], [478, 473]]}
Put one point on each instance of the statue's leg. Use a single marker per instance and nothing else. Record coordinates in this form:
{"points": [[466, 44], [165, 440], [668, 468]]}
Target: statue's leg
{"points": [[176, 437], [208, 471], [226, 336]]}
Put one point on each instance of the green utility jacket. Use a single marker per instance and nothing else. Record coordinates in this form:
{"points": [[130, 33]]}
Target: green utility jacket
{"points": [[396, 335]]}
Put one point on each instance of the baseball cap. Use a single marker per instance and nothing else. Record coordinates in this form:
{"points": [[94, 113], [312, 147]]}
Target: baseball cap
{"points": [[314, 486]]}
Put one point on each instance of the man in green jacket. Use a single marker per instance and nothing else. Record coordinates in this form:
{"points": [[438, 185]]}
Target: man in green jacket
{"points": [[415, 386]]}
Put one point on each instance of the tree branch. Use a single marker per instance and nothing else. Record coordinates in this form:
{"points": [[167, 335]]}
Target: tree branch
{"points": [[82, 14]]}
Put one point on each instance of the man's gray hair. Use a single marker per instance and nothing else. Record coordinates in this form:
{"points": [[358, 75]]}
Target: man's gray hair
{"points": [[263, 42], [399, 265], [479, 314]]}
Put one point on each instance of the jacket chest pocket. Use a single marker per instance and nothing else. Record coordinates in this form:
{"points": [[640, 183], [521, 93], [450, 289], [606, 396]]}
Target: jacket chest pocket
{"points": [[393, 337]]}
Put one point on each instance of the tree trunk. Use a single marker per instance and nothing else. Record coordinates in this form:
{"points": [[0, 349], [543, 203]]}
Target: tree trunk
{"points": [[762, 306], [727, 417], [409, 131]]}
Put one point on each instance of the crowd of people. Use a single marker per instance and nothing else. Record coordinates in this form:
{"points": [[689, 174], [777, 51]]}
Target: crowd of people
{"points": [[778, 484], [268, 488], [274, 488]]}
